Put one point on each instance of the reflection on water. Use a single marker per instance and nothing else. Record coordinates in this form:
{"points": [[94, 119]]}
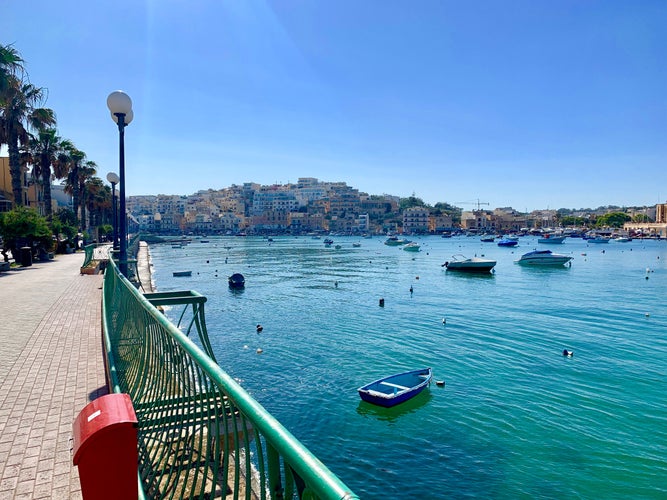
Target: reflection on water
{"points": [[395, 412]]}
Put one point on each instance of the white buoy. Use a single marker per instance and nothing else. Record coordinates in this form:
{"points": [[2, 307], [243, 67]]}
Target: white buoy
{"points": [[260, 350], [647, 315], [444, 321]]}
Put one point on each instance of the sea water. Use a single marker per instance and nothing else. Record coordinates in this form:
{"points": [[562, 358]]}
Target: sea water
{"points": [[514, 419]]}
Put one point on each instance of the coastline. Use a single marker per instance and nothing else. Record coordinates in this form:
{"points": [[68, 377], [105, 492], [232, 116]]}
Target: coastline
{"points": [[144, 264]]}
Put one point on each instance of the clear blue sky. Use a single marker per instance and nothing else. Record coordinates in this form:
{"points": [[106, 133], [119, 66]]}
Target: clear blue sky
{"points": [[530, 104]]}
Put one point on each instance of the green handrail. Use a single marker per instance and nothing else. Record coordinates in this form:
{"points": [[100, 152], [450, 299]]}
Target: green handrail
{"points": [[201, 435]]}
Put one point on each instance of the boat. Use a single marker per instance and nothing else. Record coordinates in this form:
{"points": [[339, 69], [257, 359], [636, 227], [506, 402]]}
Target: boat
{"points": [[507, 242], [394, 389], [544, 258], [471, 265], [328, 242], [598, 239], [623, 239], [356, 245], [411, 247], [551, 239], [395, 241], [178, 274], [203, 241], [236, 280], [487, 239]]}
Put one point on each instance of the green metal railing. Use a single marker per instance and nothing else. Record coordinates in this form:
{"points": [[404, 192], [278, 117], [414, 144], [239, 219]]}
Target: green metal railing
{"points": [[200, 434]]}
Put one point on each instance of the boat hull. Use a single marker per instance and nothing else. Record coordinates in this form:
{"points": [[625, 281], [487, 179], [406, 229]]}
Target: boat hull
{"points": [[543, 258], [552, 240], [472, 265], [396, 389]]}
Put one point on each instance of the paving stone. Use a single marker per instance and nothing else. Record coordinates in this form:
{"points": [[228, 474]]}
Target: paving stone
{"points": [[50, 366]]}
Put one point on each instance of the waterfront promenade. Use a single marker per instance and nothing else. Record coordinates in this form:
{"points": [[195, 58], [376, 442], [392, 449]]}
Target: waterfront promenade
{"points": [[51, 366]]}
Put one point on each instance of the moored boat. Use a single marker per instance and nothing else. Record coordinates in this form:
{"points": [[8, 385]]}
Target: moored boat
{"points": [[394, 389], [236, 280], [395, 241], [507, 242], [182, 273], [412, 247], [470, 265], [543, 258], [551, 239]]}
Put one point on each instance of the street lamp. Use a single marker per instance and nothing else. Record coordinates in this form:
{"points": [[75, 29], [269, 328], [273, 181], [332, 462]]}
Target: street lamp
{"points": [[113, 178], [120, 105]]}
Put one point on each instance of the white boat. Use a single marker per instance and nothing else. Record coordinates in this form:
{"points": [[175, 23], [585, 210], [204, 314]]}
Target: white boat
{"points": [[623, 239], [551, 239], [411, 247], [471, 265], [544, 258], [598, 239], [395, 241]]}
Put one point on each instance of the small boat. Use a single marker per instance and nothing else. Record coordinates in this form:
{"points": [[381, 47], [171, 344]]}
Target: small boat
{"points": [[598, 239], [507, 242], [544, 258], [236, 280], [395, 241], [473, 265], [203, 241], [487, 239], [395, 389], [182, 273], [411, 247], [328, 242], [551, 239], [623, 239], [356, 245]]}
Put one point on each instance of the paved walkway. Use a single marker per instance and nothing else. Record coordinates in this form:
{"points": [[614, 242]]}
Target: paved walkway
{"points": [[51, 366]]}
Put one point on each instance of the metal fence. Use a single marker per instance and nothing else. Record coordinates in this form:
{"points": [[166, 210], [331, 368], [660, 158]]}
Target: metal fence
{"points": [[200, 433]]}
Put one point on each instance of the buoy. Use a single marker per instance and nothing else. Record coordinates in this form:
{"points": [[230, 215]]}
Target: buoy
{"points": [[444, 321], [336, 284], [567, 353], [647, 315], [416, 277], [260, 350], [411, 289], [381, 302], [207, 262], [259, 328], [440, 383]]}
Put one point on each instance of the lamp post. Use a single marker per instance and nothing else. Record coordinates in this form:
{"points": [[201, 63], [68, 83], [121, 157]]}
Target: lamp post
{"points": [[113, 178], [120, 105]]}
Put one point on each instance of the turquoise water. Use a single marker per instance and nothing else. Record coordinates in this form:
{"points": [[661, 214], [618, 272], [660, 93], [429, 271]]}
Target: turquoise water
{"points": [[515, 418]]}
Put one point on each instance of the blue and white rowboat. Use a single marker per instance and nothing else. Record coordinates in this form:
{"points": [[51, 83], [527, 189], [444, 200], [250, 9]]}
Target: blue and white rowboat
{"points": [[395, 389]]}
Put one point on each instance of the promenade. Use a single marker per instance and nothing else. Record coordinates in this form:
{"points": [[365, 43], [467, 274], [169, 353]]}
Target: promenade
{"points": [[51, 366]]}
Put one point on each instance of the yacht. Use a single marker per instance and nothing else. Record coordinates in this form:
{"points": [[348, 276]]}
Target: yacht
{"points": [[544, 258]]}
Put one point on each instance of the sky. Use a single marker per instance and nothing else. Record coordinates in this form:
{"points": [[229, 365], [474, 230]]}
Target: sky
{"points": [[531, 104]]}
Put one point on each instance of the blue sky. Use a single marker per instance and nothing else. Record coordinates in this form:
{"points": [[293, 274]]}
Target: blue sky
{"points": [[530, 104]]}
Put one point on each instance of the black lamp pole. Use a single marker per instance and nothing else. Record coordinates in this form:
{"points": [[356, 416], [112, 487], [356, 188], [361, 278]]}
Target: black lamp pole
{"points": [[120, 105]]}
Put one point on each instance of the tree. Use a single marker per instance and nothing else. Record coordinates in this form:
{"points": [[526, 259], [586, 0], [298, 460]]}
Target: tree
{"points": [[11, 64], [67, 167], [613, 219], [411, 202], [19, 113], [42, 153], [85, 173], [23, 226]]}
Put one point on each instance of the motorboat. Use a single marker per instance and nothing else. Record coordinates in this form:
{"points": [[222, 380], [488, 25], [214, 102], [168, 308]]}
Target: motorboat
{"points": [[544, 258], [507, 242], [471, 265], [412, 247], [395, 241], [551, 239], [394, 389], [598, 239]]}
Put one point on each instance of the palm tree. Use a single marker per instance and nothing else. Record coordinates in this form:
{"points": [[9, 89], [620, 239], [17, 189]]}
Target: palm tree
{"points": [[20, 111], [43, 152], [67, 167], [86, 172], [11, 64]]}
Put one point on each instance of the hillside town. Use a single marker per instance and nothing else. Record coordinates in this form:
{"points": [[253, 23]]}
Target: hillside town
{"points": [[314, 206]]}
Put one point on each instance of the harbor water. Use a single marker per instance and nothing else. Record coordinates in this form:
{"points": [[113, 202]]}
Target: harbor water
{"points": [[514, 418]]}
